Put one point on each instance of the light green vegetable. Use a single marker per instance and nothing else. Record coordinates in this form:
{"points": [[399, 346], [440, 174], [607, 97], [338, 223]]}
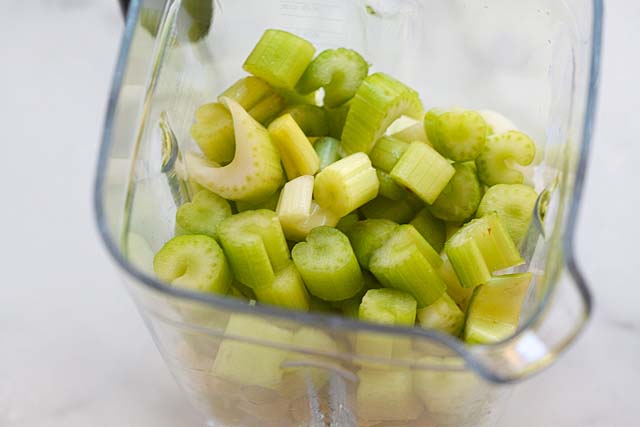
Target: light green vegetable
{"points": [[458, 135], [203, 214], [495, 163]]}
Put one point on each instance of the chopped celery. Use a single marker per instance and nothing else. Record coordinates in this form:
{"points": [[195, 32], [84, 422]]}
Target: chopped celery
{"points": [[412, 133], [255, 245], [347, 184], [213, 132], [407, 262], [247, 91], [287, 290], [458, 135], [203, 214], [328, 265], [240, 289], [423, 171], [456, 291], [280, 58], [350, 307], [389, 188], [378, 102], [369, 235], [255, 172], [386, 153], [451, 228], [461, 197], [387, 395], [318, 217], [268, 108], [431, 228], [336, 118], [346, 222], [479, 248], [496, 122], [514, 205], [494, 309], [193, 262], [399, 211], [320, 306], [495, 163], [269, 203], [297, 153], [328, 150], [443, 315], [339, 71], [311, 119]]}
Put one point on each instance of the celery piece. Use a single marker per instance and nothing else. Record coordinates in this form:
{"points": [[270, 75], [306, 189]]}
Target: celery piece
{"points": [[193, 262], [318, 305], [201, 13], [514, 205], [328, 150], [328, 265], [389, 188], [280, 58], [496, 122], [255, 172], [350, 307], [339, 71], [378, 102], [347, 184], [318, 217], [412, 133], [242, 291], [423, 171], [451, 228], [203, 214], [213, 132], [246, 363], [494, 309], [479, 248], [386, 153], [495, 163], [268, 108], [387, 395], [443, 315], [255, 245], [407, 262], [456, 291], [398, 211], [287, 290], [461, 197], [271, 203], [336, 118], [311, 119], [247, 91], [458, 135], [431, 228], [297, 153], [347, 222], [294, 205], [369, 235]]}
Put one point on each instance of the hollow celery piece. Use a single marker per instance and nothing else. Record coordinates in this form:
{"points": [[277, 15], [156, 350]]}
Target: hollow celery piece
{"points": [[387, 395], [398, 211], [443, 315], [203, 214], [456, 291], [389, 188], [297, 153], [255, 172], [339, 71], [328, 265], [369, 235], [347, 222], [251, 364], [495, 163], [255, 246], [423, 170], [479, 248], [459, 135], [328, 150], [336, 117], [271, 203], [287, 290], [378, 102], [193, 262], [431, 228], [347, 184], [496, 122], [494, 310], [311, 119], [213, 132], [461, 196], [386, 153], [280, 58], [514, 205], [407, 262]]}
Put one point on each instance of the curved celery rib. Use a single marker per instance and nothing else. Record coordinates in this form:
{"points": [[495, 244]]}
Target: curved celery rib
{"points": [[443, 315], [494, 162], [203, 214], [496, 122], [280, 58], [347, 184], [297, 153], [339, 71], [431, 228], [193, 262], [423, 171], [255, 245], [312, 119], [514, 205], [457, 135], [408, 263], [328, 150], [328, 265], [398, 211], [389, 188], [479, 248], [287, 290], [461, 197], [386, 153], [494, 310], [378, 102], [255, 172], [369, 235]]}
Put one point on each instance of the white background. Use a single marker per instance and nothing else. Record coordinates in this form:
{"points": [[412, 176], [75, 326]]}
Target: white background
{"points": [[73, 350]]}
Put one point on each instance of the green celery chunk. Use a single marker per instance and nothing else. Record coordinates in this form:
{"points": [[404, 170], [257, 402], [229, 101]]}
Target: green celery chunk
{"points": [[350, 307], [461, 197], [399, 211], [269, 204], [193, 262], [386, 153], [328, 150], [389, 188], [387, 395], [369, 235], [458, 135], [336, 117], [297, 153], [431, 228], [213, 132], [287, 290], [496, 162], [328, 265], [456, 291], [268, 108], [312, 119], [247, 91], [443, 315], [203, 214], [346, 222]]}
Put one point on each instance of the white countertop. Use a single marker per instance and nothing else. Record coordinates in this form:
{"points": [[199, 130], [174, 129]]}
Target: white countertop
{"points": [[74, 351]]}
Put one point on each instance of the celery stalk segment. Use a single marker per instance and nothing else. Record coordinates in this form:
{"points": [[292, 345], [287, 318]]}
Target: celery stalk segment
{"points": [[203, 214], [287, 290], [458, 135], [495, 163], [369, 235]]}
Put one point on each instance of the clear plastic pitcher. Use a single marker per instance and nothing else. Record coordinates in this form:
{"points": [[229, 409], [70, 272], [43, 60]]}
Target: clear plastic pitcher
{"points": [[242, 365]]}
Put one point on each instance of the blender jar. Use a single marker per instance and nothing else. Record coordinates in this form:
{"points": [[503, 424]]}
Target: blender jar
{"points": [[243, 365]]}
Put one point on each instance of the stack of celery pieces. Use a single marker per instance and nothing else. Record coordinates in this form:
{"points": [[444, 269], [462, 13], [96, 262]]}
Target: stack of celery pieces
{"points": [[309, 195]]}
